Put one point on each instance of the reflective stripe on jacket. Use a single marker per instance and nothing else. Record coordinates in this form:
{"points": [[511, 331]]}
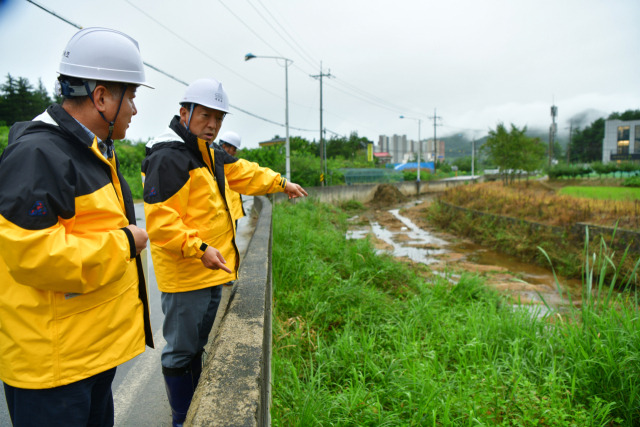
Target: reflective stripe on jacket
{"points": [[73, 301], [186, 205]]}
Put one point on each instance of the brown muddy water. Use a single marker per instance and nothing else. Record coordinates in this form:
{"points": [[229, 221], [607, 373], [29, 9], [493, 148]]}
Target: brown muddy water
{"points": [[404, 232]]}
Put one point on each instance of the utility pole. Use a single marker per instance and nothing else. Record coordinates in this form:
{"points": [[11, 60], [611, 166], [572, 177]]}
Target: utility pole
{"points": [[569, 146], [435, 118], [552, 131], [323, 148], [473, 151]]}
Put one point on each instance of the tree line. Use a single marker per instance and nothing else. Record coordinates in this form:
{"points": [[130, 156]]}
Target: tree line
{"points": [[507, 148], [21, 101]]}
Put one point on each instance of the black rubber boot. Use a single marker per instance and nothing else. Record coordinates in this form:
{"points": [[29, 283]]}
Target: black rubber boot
{"points": [[180, 390]]}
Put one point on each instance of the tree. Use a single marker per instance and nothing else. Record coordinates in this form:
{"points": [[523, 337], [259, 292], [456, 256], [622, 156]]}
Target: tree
{"points": [[4, 137], [513, 152], [463, 163], [586, 144], [346, 147], [19, 101]]}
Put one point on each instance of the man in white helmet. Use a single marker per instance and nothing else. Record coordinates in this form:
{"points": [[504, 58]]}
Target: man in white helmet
{"points": [[73, 302], [230, 142], [191, 230]]}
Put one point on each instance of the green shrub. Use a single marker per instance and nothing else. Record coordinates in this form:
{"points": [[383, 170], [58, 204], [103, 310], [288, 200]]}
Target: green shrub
{"points": [[632, 181], [4, 138]]}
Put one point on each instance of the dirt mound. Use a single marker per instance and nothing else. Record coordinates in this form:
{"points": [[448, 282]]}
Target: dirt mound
{"points": [[387, 195]]}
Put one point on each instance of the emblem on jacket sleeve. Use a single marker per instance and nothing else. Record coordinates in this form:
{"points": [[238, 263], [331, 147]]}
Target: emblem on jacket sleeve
{"points": [[38, 209]]}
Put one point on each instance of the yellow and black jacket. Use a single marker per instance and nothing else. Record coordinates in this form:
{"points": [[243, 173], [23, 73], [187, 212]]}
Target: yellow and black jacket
{"points": [[73, 300], [187, 206], [236, 207]]}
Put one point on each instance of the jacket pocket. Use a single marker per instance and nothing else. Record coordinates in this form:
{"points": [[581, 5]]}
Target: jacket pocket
{"points": [[68, 304]]}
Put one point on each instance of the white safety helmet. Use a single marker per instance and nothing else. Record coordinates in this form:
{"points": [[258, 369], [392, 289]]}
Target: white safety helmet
{"points": [[103, 54], [231, 138], [208, 93]]}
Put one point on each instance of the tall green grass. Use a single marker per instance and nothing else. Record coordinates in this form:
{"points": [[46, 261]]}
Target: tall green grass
{"points": [[360, 339]]}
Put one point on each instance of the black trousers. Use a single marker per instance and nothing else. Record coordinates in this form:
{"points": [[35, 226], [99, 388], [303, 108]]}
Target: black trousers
{"points": [[88, 402]]}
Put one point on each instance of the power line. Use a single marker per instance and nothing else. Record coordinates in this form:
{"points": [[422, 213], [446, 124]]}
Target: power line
{"points": [[167, 74], [362, 95], [279, 33], [373, 100], [293, 39], [350, 90], [249, 28], [202, 52], [207, 55], [55, 14], [363, 99]]}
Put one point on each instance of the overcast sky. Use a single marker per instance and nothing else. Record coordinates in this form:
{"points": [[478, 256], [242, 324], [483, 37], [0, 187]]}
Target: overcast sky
{"points": [[475, 62]]}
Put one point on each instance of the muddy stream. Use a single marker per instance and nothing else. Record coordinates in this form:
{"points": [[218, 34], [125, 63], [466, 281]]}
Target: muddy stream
{"points": [[403, 231]]}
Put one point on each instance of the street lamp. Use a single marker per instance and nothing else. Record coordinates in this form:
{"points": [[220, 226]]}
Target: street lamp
{"points": [[419, 142], [287, 61]]}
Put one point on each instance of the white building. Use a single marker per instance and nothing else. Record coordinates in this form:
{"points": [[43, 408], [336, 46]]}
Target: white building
{"points": [[403, 150], [621, 140]]}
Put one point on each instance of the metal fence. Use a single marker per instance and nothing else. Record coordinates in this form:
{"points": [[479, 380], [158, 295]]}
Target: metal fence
{"points": [[366, 176]]}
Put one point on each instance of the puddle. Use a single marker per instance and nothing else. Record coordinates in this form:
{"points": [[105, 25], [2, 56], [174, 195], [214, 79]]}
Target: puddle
{"points": [[527, 283], [410, 248], [357, 234]]}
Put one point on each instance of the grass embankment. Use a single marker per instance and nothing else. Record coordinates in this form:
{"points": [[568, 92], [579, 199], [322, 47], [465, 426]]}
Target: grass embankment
{"points": [[539, 204], [360, 339], [536, 202]]}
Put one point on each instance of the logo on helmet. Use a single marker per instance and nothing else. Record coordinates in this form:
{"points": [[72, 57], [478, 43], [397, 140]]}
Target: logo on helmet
{"points": [[219, 97]]}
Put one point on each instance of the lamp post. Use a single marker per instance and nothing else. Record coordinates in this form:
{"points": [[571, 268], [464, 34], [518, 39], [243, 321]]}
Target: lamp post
{"points": [[287, 61], [419, 142], [473, 152]]}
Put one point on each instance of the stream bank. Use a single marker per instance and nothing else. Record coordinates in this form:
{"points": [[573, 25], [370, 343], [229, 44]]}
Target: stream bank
{"points": [[401, 228]]}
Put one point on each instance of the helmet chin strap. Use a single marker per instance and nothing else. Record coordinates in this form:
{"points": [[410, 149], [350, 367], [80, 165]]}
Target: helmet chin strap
{"points": [[190, 114], [109, 141]]}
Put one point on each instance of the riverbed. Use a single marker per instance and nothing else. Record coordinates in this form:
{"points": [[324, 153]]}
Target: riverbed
{"points": [[404, 232]]}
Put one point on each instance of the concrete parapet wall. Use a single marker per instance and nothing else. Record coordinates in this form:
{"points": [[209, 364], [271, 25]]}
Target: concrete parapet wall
{"points": [[235, 386], [361, 192], [364, 192]]}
